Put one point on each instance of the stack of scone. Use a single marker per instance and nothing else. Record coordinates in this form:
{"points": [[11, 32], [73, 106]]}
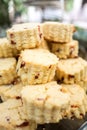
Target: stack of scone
{"points": [[38, 86], [71, 68]]}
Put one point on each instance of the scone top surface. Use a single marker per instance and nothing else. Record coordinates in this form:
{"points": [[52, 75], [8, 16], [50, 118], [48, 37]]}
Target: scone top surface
{"points": [[61, 26], [38, 56], [6, 63], [71, 66], [22, 27], [49, 95]]}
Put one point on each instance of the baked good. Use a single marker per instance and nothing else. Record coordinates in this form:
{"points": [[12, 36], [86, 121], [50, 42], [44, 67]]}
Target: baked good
{"points": [[10, 91], [58, 32], [36, 66], [12, 116], [45, 103], [24, 36], [6, 49], [78, 102], [83, 84], [7, 70], [64, 51], [71, 70]]}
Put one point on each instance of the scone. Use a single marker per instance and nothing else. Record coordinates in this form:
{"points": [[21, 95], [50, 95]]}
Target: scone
{"points": [[10, 91], [71, 70], [83, 84], [6, 49], [58, 32], [78, 102], [12, 116], [36, 66], [7, 70], [24, 36], [45, 103], [64, 51]]}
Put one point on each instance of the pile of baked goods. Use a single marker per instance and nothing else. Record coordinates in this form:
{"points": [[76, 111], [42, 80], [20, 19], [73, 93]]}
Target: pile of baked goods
{"points": [[42, 78]]}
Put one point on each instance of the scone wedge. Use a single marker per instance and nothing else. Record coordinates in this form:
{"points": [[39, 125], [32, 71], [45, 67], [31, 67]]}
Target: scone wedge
{"points": [[7, 70], [12, 116], [58, 32], [36, 66], [24, 36], [45, 103]]}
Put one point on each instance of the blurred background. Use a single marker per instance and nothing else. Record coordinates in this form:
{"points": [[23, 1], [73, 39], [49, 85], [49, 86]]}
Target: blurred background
{"points": [[69, 11]]}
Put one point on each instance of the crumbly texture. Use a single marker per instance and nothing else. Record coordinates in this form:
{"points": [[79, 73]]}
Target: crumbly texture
{"points": [[58, 32], [71, 70], [36, 66], [45, 103], [11, 117], [24, 36], [64, 51], [6, 49], [7, 70], [83, 84], [78, 101], [10, 91]]}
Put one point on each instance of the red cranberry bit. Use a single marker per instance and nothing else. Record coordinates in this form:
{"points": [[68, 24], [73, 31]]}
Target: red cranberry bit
{"points": [[12, 42], [23, 124], [70, 76], [11, 35], [40, 34], [74, 106], [22, 64], [8, 119], [58, 50], [36, 76], [18, 97], [60, 80], [1, 101], [73, 117], [49, 66], [72, 50], [16, 80]]}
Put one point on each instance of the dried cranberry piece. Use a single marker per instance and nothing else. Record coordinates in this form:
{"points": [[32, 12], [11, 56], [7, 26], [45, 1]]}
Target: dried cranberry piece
{"points": [[23, 124], [12, 42], [18, 97], [8, 118], [70, 76], [49, 66], [11, 35], [72, 50], [22, 64], [36, 76], [74, 106], [58, 50]]}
